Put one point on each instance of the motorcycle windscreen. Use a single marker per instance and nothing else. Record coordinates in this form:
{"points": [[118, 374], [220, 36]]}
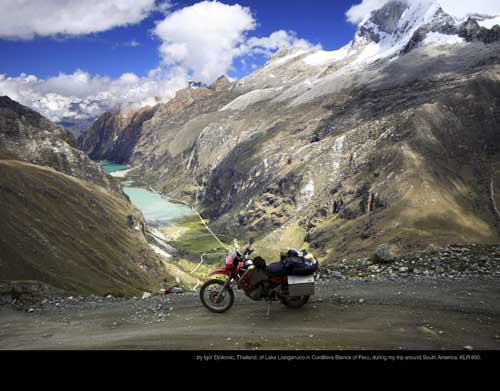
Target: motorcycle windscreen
{"points": [[230, 260]]}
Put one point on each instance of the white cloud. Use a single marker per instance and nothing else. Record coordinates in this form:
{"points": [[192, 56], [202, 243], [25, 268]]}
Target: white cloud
{"points": [[458, 8], [204, 39], [360, 11], [199, 42], [25, 19], [80, 95], [276, 41]]}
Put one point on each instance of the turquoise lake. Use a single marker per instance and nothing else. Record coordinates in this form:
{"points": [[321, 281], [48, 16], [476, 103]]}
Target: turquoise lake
{"points": [[156, 209], [109, 167]]}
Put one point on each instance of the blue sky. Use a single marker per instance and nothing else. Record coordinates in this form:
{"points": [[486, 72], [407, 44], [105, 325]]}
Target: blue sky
{"points": [[73, 59], [110, 53]]}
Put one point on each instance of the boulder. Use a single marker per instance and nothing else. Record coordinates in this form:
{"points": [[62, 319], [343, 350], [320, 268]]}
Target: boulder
{"points": [[383, 254]]}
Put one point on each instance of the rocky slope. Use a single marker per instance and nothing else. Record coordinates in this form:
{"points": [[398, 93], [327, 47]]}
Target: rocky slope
{"points": [[72, 235], [27, 136], [392, 139], [115, 135], [450, 263]]}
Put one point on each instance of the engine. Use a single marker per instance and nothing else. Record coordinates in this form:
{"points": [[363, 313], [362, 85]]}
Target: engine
{"points": [[260, 292]]}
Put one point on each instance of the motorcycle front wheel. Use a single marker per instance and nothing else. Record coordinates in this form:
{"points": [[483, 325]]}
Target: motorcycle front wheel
{"points": [[295, 302], [208, 295]]}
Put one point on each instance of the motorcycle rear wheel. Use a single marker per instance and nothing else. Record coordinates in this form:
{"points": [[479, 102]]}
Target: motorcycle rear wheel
{"points": [[209, 292], [295, 302]]}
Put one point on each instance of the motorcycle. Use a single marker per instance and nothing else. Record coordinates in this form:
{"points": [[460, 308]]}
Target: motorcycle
{"points": [[257, 283]]}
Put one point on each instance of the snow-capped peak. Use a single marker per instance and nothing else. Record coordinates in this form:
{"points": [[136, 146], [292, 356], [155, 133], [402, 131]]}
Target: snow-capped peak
{"points": [[393, 30], [388, 31], [489, 22]]}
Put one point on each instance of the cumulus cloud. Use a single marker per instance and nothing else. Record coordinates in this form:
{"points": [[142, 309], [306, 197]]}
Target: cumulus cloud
{"points": [[457, 8], [22, 19], [199, 42], [360, 11], [204, 39], [82, 96], [276, 41]]}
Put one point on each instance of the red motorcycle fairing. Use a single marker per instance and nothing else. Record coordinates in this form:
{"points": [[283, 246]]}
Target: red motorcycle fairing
{"points": [[240, 266], [228, 270], [221, 271], [279, 280]]}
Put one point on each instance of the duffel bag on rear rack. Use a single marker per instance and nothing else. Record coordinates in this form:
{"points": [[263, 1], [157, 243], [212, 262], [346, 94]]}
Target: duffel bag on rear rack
{"points": [[298, 263]]}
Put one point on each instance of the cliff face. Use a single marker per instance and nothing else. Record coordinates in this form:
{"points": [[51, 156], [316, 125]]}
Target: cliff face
{"points": [[115, 135], [72, 235], [393, 139], [27, 136]]}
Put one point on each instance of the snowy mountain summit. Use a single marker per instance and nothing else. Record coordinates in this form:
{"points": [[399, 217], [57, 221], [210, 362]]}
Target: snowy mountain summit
{"points": [[388, 31], [398, 34], [400, 25]]}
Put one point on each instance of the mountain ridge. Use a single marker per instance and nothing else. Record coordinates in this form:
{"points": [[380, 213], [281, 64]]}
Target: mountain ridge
{"points": [[28, 136]]}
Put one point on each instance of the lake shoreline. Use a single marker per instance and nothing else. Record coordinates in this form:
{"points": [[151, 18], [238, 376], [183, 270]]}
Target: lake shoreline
{"points": [[157, 210]]}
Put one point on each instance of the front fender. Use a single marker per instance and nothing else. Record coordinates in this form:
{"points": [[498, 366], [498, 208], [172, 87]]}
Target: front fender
{"points": [[222, 271]]}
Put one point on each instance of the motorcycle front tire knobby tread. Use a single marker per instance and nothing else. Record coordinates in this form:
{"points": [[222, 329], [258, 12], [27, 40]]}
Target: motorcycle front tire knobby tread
{"points": [[229, 291]]}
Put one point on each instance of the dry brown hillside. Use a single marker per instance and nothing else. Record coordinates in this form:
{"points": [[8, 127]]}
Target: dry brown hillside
{"points": [[71, 234]]}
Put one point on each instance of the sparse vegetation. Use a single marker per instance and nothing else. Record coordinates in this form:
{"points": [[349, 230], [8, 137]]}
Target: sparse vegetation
{"points": [[71, 234]]}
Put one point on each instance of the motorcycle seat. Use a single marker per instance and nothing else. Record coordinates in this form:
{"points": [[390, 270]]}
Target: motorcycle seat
{"points": [[275, 271]]}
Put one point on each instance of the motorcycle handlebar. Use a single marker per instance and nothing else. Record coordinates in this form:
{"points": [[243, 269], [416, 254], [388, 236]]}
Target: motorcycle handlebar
{"points": [[249, 251]]}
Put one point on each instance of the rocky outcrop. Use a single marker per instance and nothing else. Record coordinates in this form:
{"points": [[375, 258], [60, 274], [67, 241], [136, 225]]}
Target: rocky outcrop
{"points": [[31, 290], [456, 262], [221, 84], [469, 30], [115, 135], [472, 31], [382, 21], [27, 136]]}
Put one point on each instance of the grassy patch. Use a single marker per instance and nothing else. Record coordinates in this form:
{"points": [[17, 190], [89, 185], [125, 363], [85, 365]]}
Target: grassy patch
{"points": [[191, 238], [200, 270]]}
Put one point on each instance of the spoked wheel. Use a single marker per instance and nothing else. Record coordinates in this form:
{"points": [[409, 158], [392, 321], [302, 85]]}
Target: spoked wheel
{"points": [[295, 302], [209, 293]]}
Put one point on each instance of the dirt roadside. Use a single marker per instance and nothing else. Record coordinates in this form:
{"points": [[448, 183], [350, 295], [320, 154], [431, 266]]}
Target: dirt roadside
{"points": [[403, 314]]}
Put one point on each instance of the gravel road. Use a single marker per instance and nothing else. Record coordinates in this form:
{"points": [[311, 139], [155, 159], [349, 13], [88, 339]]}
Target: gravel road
{"points": [[408, 313]]}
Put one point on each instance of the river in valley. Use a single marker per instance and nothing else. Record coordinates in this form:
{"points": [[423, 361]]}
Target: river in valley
{"points": [[156, 210]]}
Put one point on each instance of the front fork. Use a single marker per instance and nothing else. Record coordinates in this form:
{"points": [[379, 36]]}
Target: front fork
{"points": [[226, 285]]}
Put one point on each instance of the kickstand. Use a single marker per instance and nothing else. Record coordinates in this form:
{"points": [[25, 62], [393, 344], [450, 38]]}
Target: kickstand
{"points": [[268, 308]]}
